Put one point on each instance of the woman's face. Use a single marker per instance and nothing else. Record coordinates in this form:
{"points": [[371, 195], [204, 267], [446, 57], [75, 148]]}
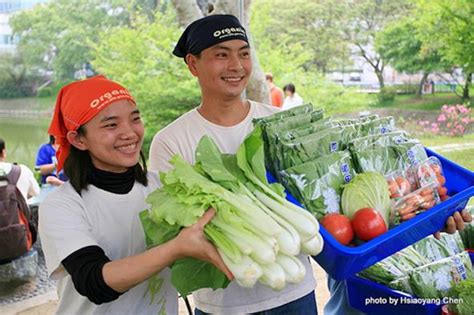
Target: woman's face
{"points": [[114, 137]]}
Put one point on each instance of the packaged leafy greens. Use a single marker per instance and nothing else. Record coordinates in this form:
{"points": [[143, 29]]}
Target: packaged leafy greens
{"points": [[310, 147], [317, 184], [272, 126], [434, 249], [436, 279], [395, 266], [386, 153]]}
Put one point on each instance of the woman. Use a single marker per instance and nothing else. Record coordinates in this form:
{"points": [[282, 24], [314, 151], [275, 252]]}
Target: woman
{"points": [[89, 227]]}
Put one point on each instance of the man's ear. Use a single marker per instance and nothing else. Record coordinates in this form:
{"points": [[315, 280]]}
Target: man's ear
{"points": [[76, 140], [191, 62]]}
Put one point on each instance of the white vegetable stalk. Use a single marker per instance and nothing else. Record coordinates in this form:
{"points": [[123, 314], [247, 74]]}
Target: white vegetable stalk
{"points": [[246, 272], [258, 248], [293, 267], [306, 227], [273, 276], [314, 246]]}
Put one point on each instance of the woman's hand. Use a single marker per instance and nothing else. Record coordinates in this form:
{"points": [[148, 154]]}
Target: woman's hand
{"points": [[192, 242]]}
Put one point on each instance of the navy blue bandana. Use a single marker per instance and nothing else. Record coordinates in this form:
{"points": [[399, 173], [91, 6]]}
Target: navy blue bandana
{"points": [[207, 32]]}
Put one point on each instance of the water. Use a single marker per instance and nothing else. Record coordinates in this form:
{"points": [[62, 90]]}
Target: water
{"points": [[23, 136]]}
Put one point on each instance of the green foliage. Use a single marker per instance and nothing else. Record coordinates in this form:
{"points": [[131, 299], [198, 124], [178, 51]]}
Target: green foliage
{"points": [[62, 31], [139, 57], [387, 94], [295, 51], [447, 26], [400, 44]]}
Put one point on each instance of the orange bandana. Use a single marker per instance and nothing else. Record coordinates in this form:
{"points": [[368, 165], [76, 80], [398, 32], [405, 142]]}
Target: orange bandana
{"points": [[79, 102]]}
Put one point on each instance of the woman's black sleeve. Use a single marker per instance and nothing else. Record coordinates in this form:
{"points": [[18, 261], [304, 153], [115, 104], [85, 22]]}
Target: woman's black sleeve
{"points": [[85, 267]]}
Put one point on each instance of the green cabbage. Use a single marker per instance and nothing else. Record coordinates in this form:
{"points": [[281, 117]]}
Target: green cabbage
{"points": [[366, 190]]}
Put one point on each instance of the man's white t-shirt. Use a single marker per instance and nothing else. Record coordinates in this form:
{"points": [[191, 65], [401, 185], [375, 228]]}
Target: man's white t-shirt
{"points": [[27, 184], [69, 222], [292, 101], [182, 137]]}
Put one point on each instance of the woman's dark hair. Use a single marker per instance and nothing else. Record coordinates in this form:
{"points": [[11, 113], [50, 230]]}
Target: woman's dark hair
{"points": [[52, 140], [78, 164], [2, 145], [289, 87]]}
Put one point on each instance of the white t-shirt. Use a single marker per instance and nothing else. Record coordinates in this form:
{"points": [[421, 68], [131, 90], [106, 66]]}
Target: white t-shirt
{"points": [[182, 137], [27, 184], [69, 222], [292, 101]]}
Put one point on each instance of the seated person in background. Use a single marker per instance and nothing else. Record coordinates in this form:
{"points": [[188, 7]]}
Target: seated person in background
{"points": [[26, 183], [46, 163], [292, 98]]}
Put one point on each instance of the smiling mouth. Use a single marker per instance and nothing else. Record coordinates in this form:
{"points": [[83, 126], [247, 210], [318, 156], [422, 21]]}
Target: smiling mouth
{"points": [[129, 148], [233, 79]]}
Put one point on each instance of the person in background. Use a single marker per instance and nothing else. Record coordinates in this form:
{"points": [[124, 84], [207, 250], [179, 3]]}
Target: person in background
{"points": [[217, 52], [276, 94], [46, 159], [90, 230], [292, 98], [26, 183]]}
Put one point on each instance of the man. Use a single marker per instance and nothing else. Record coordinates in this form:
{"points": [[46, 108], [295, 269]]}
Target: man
{"points": [[216, 51], [26, 183], [276, 94]]}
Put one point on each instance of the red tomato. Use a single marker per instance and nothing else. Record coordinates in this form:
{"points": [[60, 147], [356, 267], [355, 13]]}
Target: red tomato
{"points": [[339, 226], [368, 223]]}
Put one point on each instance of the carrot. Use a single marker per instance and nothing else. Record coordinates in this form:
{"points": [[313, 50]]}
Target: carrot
{"points": [[437, 169], [408, 216], [426, 191], [392, 186], [403, 184], [441, 180], [442, 191], [406, 208], [428, 204], [428, 198], [415, 200], [444, 197]]}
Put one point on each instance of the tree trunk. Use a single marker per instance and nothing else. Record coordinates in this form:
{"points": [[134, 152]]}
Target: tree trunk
{"points": [[188, 11], [467, 83], [420, 86], [379, 74]]}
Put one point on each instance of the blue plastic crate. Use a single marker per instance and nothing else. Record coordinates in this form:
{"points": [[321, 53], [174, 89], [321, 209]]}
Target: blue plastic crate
{"points": [[341, 261], [373, 298]]}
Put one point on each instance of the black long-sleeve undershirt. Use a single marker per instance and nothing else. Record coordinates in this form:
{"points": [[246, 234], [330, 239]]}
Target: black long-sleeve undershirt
{"points": [[85, 267]]}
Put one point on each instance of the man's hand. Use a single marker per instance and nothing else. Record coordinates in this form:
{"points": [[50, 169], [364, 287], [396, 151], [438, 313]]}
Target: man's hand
{"points": [[455, 222]]}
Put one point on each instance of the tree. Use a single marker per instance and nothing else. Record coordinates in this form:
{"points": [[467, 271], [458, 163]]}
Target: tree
{"points": [[16, 78], [400, 44], [313, 25], [447, 25], [361, 23], [57, 35]]}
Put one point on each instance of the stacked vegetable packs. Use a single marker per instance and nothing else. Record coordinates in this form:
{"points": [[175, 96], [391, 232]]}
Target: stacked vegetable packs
{"points": [[315, 157], [257, 232], [427, 269]]}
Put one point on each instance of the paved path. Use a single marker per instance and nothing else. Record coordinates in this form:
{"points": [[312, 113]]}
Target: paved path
{"points": [[46, 304], [453, 147]]}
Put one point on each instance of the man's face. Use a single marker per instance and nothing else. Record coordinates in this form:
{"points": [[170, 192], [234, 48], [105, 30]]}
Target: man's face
{"points": [[223, 70]]}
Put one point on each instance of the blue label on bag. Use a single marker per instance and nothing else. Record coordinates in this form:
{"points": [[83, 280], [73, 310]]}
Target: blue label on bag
{"points": [[333, 146], [347, 178]]}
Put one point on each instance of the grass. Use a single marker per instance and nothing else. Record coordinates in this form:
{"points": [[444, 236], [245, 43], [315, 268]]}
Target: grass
{"points": [[426, 102]]}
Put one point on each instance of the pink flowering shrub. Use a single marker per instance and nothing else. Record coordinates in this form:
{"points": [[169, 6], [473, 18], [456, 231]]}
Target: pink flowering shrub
{"points": [[453, 120]]}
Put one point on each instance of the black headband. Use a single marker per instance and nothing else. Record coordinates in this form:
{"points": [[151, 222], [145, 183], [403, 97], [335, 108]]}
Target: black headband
{"points": [[207, 32]]}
